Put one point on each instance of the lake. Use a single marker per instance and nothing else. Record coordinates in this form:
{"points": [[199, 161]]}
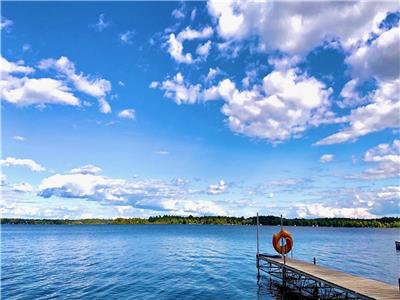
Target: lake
{"points": [[173, 261]]}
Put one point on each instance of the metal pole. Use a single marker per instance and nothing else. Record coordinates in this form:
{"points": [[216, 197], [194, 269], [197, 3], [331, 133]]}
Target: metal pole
{"points": [[258, 242], [258, 249], [282, 239]]}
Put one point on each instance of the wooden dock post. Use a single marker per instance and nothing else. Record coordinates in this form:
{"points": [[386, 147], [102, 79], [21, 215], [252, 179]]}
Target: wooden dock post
{"points": [[258, 249]]}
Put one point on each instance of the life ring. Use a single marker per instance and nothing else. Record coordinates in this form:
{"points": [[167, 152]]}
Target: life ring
{"points": [[276, 242]]}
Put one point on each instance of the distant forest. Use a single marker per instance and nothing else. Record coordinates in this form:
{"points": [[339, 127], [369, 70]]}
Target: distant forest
{"points": [[389, 222]]}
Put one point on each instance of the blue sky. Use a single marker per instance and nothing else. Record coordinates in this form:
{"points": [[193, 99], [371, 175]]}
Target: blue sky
{"points": [[202, 108]]}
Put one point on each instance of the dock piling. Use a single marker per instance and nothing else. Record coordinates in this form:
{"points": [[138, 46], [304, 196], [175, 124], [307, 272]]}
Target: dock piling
{"points": [[258, 249]]}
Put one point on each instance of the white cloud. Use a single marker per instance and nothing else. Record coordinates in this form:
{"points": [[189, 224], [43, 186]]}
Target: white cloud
{"points": [[284, 106], [322, 211], [18, 162], [104, 106], [217, 189], [175, 49], [95, 87], [296, 28], [101, 23], [326, 158], [22, 187], [175, 43], [121, 83], [212, 73], [179, 90], [18, 138], [192, 34], [127, 36], [362, 202], [204, 49], [87, 169], [147, 194], [199, 207], [381, 113], [7, 67], [350, 95], [193, 14], [379, 59], [5, 23], [387, 160], [25, 91], [127, 114]]}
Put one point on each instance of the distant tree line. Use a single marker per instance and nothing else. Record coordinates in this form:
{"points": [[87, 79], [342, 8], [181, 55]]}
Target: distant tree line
{"points": [[387, 222]]}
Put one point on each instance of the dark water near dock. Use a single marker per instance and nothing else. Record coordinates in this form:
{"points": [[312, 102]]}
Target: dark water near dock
{"points": [[173, 261]]}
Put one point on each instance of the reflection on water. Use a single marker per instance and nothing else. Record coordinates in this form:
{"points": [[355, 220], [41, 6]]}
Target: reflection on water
{"points": [[173, 261]]}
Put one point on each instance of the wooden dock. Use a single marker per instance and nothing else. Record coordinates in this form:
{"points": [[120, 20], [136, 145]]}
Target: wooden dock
{"points": [[324, 283]]}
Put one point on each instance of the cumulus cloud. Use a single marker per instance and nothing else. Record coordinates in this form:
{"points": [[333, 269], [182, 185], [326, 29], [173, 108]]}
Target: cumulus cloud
{"points": [[204, 49], [23, 91], [381, 113], [386, 201], [354, 203], [8, 67], [387, 160], [179, 90], [147, 194], [92, 86], [217, 189], [87, 169], [22, 162], [326, 158], [364, 62], [175, 43], [127, 114], [297, 28], [175, 49], [30, 91], [322, 211], [379, 109], [284, 106]]}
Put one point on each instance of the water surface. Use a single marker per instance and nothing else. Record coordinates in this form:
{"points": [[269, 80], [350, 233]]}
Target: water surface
{"points": [[173, 261]]}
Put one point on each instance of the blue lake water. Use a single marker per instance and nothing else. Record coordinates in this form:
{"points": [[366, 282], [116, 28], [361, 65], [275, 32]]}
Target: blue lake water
{"points": [[173, 261]]}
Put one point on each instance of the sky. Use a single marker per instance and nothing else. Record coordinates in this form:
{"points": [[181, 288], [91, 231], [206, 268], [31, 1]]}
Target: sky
{"points": [[136, 109]]}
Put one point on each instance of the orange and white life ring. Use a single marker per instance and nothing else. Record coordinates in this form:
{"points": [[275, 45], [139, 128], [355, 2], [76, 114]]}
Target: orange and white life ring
{"points": [[276, 242]]}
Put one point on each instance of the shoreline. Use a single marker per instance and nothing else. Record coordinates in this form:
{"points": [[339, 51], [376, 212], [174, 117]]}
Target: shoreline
{"points": [[385, 222]]}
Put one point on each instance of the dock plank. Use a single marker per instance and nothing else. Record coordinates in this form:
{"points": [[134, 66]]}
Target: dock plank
{"points": [[363, 286]]}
